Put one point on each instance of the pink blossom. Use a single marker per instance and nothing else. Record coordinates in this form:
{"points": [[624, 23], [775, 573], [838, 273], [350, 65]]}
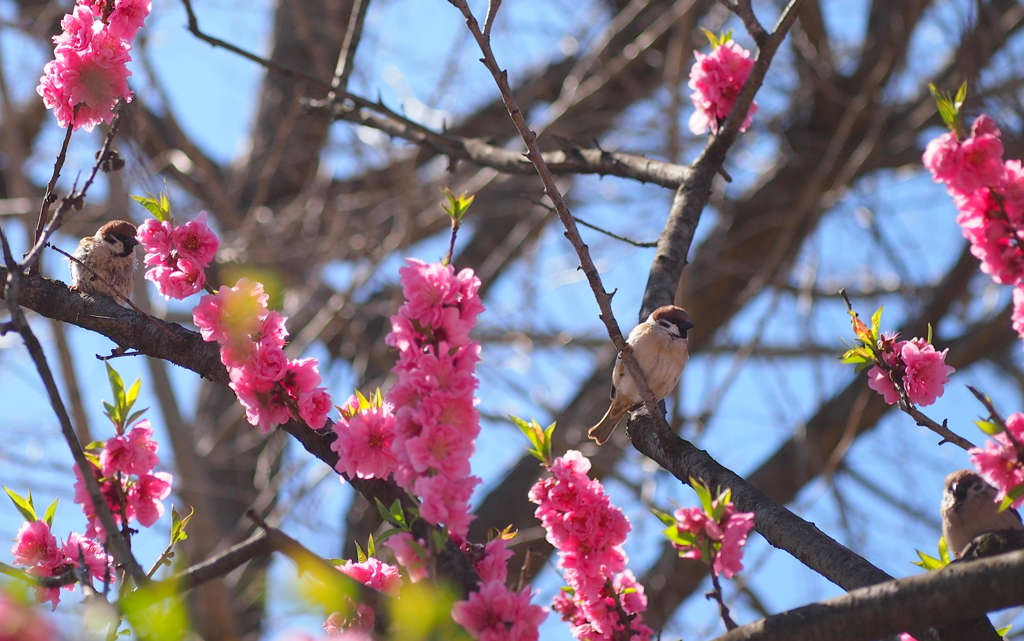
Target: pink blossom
{"points": [[301, 375], [940, 157], [727, 560], [145, 496], [132, 453], [314, 406], [232, 312], [92, 80], [156, 237], [998, 462], [411, 557], [99, 563], [428, 288], [717, 79], [364, 443], [979, 163], [926, 371], [76, 31], [446, 500], [922, 371], [373, 574], [109, 492], [273, 331], [1018, 310], [494, 564], [128, 17], [196, 241], [36, 545], [20, 622], [271, 363], [354, 625], [495, 613], [904, 636], [185, 279]]}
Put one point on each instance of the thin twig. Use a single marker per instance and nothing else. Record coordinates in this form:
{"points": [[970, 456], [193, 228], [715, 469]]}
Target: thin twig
{"points": [[535, 156], [112, 288], [629, 241], [998, 419], [723, 609], [193, 26], [51, 188], [347, 57], [75, 199], [116, 354]]}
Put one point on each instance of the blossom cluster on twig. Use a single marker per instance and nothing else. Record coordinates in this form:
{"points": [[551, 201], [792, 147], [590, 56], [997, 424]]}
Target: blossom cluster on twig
{"points": [[89, 73]]}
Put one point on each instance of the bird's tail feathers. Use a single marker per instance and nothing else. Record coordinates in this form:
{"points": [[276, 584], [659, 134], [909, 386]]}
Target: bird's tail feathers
{"points": [[603, 430]]}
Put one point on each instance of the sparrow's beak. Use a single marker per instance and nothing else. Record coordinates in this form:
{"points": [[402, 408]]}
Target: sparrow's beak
{"points": [[130, 244], [686, 325]]}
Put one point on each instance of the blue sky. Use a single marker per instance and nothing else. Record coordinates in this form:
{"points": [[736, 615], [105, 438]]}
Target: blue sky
{"points": [[403, 59]]}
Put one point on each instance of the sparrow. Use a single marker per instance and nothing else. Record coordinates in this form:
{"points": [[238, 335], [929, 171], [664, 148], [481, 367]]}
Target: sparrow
{"points": [[659, 344], [969, 509], [111, 254]]}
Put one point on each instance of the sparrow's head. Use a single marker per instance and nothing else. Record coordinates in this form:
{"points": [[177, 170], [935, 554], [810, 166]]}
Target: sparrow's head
{"points": [[119, 237], [963, 486], [674, 319]]}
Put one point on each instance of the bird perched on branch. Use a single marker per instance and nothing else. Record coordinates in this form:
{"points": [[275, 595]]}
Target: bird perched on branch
{"points": [[109, 256], [659, 344], [969, 509]]}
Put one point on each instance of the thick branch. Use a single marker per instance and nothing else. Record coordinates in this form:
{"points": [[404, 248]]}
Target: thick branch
{"points": [[954, 594]]}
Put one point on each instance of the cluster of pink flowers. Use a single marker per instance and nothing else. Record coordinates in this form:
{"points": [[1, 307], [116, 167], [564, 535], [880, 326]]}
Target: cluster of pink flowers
{"points": [[365, 436], [178, 256], [88, 74], [373, 574], [922, 370], [588, 532], [989, 193], [272, 388], [20, 622], [717, 79], [37, 547], [722, 538], [998, 462], [495, 613], [128, 455], [408, 556], [436, 422]]}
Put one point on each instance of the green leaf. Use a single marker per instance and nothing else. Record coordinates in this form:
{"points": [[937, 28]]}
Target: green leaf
{"points": [[1002, 631], [943, 551], [456, 206], [440, 539], [927, 562], [336, 561], [387, 534], [132, 394], [929, 333], [961, 96], [681, 537], [359, 553], [394, 515], [664, 517], [178, 525], [50, 513], [159, 206], [989, 427], [1011, 496], [371, 549], [876, 323], [703, 494], [116, 385], [135, 416], [24, 505]]}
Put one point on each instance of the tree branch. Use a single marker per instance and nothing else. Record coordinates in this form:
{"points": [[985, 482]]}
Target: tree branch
{"points": [[959, 592]]}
